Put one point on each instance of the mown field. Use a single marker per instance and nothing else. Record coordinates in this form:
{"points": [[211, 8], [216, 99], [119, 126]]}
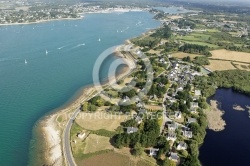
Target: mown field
{"points": [[100, 120], [231, 55], [219, 65]]}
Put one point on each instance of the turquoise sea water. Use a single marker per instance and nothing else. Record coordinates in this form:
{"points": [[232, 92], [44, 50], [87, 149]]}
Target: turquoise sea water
{"points": [[29, 91]]}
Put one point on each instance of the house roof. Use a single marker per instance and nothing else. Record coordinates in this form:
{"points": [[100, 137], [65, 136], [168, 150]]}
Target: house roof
{"points": [[197, 92], [132, 129], [188, 134], [174, 156], [171, 135], [182, 145], [192, 120]]}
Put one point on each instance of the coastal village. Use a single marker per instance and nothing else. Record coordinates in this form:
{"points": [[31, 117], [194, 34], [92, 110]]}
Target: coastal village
{"points": [[165, 123], [20, 12], [173, 99], [155, 112]]}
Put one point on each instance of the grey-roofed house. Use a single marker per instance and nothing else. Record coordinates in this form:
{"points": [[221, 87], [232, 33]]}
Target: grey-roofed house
{"points": [[142, 111], [187, 134], [182, 146], [172, 127], [194, 105], [177, 114], [138, 119], [174, 157], [191, 120], [153, 151], [171, 136], [131, 130]]}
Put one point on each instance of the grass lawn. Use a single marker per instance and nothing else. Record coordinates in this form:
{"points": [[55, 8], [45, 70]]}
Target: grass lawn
{"points": [[106, 159], [96, 143], [100, 120]]}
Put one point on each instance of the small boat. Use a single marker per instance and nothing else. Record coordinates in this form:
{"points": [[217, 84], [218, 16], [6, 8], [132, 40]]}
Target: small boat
{"points": [[117, 31], [25, 61], [99, 39], [47, 52]]}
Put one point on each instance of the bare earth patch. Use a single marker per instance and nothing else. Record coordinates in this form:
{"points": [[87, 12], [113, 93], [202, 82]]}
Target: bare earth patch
{"points": [[96, 143], [100, 120], [153, 107], [219, 65], [214, 117], [231, 55]]}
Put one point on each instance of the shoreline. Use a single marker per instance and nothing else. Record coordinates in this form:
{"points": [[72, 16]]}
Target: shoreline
{"points": [[49, 131], [42, 21]]}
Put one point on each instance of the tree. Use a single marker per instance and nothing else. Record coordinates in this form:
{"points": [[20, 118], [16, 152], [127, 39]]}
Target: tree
{"points": [[168, 162], [138, 149]]}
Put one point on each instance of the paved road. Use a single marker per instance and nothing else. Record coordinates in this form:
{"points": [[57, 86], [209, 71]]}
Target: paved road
{"points": [[67, 147]]}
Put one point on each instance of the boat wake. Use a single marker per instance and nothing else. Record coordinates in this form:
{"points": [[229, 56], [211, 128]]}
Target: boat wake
{"points": [[79, 45], [61, 47]]}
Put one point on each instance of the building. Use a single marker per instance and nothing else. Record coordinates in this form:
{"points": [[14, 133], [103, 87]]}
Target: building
{"points": [[171, 136], [138, 119], [172, 127], [153, 151], [191, 120], [187, 134], [177, 114], [131, 130], [174, 157], [182, 146], [81, 136], [197, 93], [194, 105]]}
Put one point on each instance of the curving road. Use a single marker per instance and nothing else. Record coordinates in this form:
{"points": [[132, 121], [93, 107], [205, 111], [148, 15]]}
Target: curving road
{"points": [[66, 137]]}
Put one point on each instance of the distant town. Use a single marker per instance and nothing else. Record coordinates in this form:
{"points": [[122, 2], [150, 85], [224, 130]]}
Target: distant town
{"points": [[24, 13]]}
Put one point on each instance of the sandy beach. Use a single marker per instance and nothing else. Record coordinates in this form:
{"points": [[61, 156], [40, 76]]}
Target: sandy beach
{"points": [[52, 129], [214, 117]]}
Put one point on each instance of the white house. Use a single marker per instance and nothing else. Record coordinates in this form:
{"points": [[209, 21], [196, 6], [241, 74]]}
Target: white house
{"points": [[197, 92], [182, 146], [153, 151], [81, 136], [131, 130]]}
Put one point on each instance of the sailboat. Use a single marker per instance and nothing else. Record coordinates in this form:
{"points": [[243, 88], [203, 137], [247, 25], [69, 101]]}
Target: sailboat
{"points": [[47, 52], [25, 61], [99, 40]]}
